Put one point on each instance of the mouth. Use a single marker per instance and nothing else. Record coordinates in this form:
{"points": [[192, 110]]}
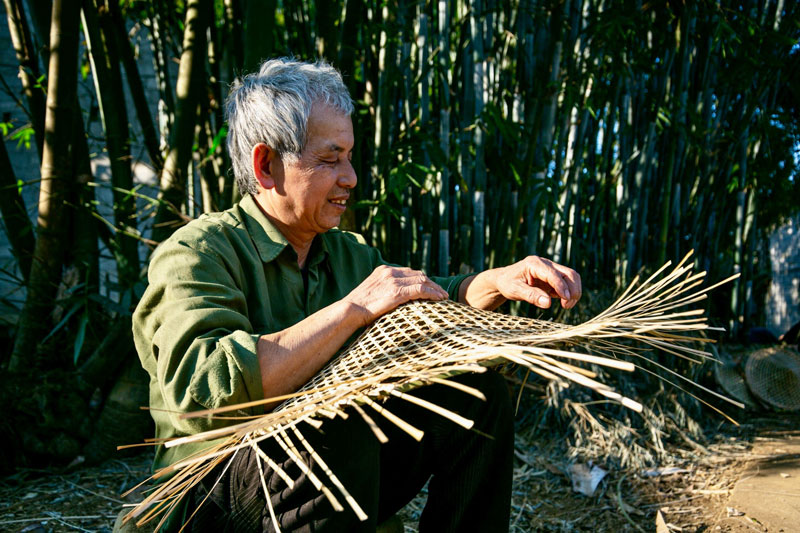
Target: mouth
{"points": [[339, 201]]}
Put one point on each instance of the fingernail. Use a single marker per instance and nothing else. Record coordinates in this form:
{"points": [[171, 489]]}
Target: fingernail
{"points": [[543, 300], [567, 295]]}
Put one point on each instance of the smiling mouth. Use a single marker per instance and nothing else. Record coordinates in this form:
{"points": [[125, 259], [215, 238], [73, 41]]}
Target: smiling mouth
{"points": [[340, 202]]}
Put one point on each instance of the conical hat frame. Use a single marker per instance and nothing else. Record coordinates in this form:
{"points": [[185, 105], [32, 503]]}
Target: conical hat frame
{"points": [[424, 342]]}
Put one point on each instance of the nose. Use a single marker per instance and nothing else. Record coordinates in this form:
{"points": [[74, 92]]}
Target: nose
{"points": [[347, 178]]}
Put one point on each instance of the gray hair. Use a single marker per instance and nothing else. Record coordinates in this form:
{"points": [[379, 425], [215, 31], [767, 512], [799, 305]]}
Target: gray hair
{"points": [[272, 106]]}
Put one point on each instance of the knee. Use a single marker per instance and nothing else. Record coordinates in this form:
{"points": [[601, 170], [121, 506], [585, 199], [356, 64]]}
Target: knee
{"points": [[495, 414], [491, 384]]}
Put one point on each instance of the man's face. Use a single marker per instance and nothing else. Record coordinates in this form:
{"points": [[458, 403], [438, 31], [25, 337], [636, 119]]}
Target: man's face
{"points": [[310, 194]]}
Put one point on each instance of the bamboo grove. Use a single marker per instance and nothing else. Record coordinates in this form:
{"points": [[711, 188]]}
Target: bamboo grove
{"points": [[608, 135]]}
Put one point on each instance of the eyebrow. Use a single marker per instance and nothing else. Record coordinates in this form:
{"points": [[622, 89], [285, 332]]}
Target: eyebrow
{"points": [[335, 148]]}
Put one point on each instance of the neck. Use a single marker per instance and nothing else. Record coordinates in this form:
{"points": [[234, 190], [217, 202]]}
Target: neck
{"points": [[299, 241], [302, 254]]}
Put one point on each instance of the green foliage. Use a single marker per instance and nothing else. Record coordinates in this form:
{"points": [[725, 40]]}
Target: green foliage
{"points": [[605, 135], [22, 134]]}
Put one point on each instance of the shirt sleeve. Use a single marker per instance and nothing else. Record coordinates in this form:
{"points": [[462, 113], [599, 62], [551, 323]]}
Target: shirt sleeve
{"points": [[197, 340], [451, 284]]}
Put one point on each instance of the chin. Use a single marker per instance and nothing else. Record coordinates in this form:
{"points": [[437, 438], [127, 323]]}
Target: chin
{"points": [[330, 224]]}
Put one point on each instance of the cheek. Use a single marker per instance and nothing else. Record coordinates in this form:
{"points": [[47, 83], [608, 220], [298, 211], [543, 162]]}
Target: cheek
{"points": [[316, 195]]}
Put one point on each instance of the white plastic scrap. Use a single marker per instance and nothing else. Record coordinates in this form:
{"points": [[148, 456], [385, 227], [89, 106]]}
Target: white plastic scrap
{"points": [[584, 479]]}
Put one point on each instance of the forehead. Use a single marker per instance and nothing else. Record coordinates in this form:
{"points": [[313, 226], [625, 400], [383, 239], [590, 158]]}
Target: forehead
{"points": [[329, 129]]}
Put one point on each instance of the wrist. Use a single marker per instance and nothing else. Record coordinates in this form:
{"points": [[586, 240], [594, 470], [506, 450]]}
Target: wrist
{"points": [[357, 316], [493, 293], [482, 290]]}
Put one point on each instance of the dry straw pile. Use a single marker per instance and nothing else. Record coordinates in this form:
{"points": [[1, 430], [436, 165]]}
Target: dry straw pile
{"points": [[422, 343]]}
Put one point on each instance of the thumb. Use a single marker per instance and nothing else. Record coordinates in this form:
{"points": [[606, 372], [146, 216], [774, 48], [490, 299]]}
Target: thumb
{"points": [[540, 298]]}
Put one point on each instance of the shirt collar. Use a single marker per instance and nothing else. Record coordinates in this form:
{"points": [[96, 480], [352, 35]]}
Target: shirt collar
{"points": [[268, 239], [319, 250]]}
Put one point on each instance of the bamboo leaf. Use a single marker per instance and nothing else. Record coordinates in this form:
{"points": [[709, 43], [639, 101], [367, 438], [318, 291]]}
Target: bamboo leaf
{"points": [[79, 338], [72, 310], [218, 138]]}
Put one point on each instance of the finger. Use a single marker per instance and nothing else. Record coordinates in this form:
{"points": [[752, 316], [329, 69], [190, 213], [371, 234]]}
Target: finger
{"points": [[434, 288], [540, 298], [564, 281], [405, 272], [392, 272], [573, 280], [553, 277], [422, 280], [421, 292], [417, 279], [439, 290], [530, 293], [430, 291]]}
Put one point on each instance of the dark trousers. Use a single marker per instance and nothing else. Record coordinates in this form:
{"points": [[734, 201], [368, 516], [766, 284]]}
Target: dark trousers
{"points": [[469, 470]]}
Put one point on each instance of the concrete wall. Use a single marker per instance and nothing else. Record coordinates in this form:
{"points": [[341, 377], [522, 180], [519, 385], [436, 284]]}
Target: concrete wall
{"points": [[783, 300], [25, 162], [26, 168]]}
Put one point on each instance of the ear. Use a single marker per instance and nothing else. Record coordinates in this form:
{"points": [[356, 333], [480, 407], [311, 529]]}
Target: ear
{"points": [[263, 161]]}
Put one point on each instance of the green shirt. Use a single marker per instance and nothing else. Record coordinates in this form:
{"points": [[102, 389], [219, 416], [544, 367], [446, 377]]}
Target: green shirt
{"points": [[215, 287]]}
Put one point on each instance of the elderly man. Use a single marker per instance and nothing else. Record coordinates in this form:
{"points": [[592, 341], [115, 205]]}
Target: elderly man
{"points": [[252, 302]]}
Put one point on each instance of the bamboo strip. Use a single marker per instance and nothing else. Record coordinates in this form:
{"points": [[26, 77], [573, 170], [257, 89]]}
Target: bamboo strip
{"points": [[380, 435], [267, 497], [459, 386], [335, 480], [285, 442], [441, 411], [415, 433], [272, 464]]}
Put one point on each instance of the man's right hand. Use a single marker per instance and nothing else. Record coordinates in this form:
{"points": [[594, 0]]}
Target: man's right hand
{"points": [[388, 287]]}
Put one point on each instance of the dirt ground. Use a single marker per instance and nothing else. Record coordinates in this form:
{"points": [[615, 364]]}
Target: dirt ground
{"points": [[84, 499], [748, 481]]}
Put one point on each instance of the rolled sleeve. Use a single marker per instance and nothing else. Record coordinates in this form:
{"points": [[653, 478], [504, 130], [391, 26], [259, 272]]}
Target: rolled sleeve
{"points": [[202, 343], [230, 375]]}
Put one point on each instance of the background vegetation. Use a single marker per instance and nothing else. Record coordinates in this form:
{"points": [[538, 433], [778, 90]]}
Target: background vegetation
{"points": [[607, 135]]}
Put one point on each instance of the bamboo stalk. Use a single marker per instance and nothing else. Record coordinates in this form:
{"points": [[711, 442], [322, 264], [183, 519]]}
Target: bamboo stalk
{"points": [[101, 40], [48, 255], [28, 68], [173, 190], [15, 217]]}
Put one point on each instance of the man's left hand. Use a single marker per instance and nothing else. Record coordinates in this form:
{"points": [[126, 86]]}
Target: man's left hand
{"points": [[536, 280]]}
